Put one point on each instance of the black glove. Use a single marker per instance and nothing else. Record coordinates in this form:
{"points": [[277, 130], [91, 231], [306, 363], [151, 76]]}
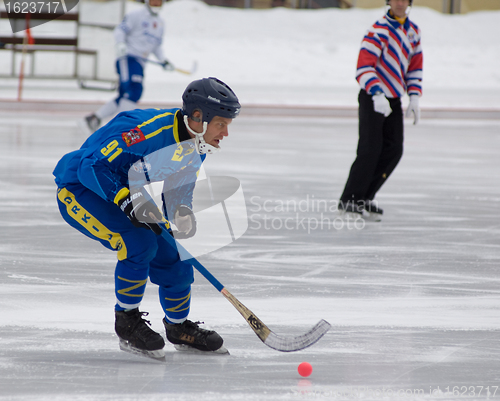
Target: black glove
{"points": [[185, 222], [141, 212], [167, 65]]}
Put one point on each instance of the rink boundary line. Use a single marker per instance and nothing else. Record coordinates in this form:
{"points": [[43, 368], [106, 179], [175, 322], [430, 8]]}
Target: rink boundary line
{"points": [[255, 110]]}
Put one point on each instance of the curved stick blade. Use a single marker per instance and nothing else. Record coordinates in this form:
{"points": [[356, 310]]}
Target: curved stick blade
{"points": [[267, 336], [271, 339], [296, 343]]}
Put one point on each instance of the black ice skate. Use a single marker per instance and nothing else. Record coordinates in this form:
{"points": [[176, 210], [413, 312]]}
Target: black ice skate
{"points": [[351, 209], [136, 336], [188, 336], [89, 124], [93, 122], [372, 212]]}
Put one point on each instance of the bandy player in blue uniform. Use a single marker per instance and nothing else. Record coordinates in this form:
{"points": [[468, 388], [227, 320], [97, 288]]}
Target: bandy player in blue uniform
{"points": [[101, 193], [139, 34]]}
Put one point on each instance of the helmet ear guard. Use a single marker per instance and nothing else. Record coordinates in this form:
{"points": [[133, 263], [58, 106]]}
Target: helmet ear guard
{"points": [[196, 119]]}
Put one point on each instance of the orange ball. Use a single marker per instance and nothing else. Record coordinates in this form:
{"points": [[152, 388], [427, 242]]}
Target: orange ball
{"points": [[305, 369]]}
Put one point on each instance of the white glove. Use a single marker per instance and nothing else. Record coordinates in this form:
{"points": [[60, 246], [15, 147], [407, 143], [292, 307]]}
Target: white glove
{"points": [[413, 107], [381, 104], [121, 49], [185, 222]]}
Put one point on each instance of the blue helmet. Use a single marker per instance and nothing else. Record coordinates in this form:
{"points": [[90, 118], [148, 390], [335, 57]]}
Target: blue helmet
{"points": [[211, 97]]}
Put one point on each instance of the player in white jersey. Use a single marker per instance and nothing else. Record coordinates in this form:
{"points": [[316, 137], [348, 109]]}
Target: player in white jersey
{"points": [[139, 34]]}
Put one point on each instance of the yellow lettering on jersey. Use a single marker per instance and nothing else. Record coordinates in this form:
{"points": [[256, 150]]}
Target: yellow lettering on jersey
{"points": [[91, 224], [138, 284], [180, 152], [112, 157], [109, 148], [112, 150], [112, 146]]}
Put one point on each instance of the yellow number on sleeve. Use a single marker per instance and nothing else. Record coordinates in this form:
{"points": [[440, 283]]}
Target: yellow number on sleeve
{"points": [[112, 147]]}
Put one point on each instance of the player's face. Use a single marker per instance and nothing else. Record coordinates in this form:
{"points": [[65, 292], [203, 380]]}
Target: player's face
{"points": [[155, 3], [217, 129], [399, 7]]}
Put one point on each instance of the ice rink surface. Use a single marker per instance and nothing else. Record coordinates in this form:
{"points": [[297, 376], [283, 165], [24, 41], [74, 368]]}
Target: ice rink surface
{"points": [[413, 300]]}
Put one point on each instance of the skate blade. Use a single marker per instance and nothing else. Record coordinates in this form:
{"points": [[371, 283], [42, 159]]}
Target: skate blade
{"points": [[351, 215], [368, 216], [158, 354], [187, 348]]}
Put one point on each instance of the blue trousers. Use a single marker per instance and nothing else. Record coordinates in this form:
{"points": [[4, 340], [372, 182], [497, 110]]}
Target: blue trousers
{"points": [[141, 253], [131, 75]]}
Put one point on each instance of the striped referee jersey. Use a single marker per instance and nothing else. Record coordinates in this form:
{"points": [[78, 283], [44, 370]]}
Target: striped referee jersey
{"points": [[390, 59]]}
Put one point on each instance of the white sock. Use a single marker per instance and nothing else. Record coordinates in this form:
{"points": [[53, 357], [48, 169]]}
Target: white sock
{"points": [[126, 105], [107, 110]]}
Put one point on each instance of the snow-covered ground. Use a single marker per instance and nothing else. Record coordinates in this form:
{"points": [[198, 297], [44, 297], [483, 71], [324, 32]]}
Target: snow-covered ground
{"points": [[413, 300], [283, 56]]}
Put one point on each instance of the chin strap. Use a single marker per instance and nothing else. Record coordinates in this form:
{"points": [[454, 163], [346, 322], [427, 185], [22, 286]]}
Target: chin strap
{"points": [[201, 146]]}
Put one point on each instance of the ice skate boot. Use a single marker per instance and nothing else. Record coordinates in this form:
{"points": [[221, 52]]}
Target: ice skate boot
{"points": [[350, 210], [136, 336], [188, 336], [372, 212], [93, 122], [89, 124]]}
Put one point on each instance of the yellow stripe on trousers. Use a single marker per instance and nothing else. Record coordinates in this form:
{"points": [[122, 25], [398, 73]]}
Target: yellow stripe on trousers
{"points": [[91, 224]]}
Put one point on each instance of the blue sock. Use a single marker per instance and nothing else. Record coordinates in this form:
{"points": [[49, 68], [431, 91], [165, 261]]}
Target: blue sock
{"points": [[129, 286], [175, 305]]}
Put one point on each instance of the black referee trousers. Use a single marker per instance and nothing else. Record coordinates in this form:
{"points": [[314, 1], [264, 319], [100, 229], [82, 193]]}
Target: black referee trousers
{"points": [[380, 148]]}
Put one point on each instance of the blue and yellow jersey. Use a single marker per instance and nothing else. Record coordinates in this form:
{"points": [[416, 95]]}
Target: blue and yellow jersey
{"points": [[135, 148]]}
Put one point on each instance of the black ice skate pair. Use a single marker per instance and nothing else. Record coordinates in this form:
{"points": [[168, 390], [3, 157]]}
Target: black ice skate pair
{"points": [[367, 210], [137, 337]]}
